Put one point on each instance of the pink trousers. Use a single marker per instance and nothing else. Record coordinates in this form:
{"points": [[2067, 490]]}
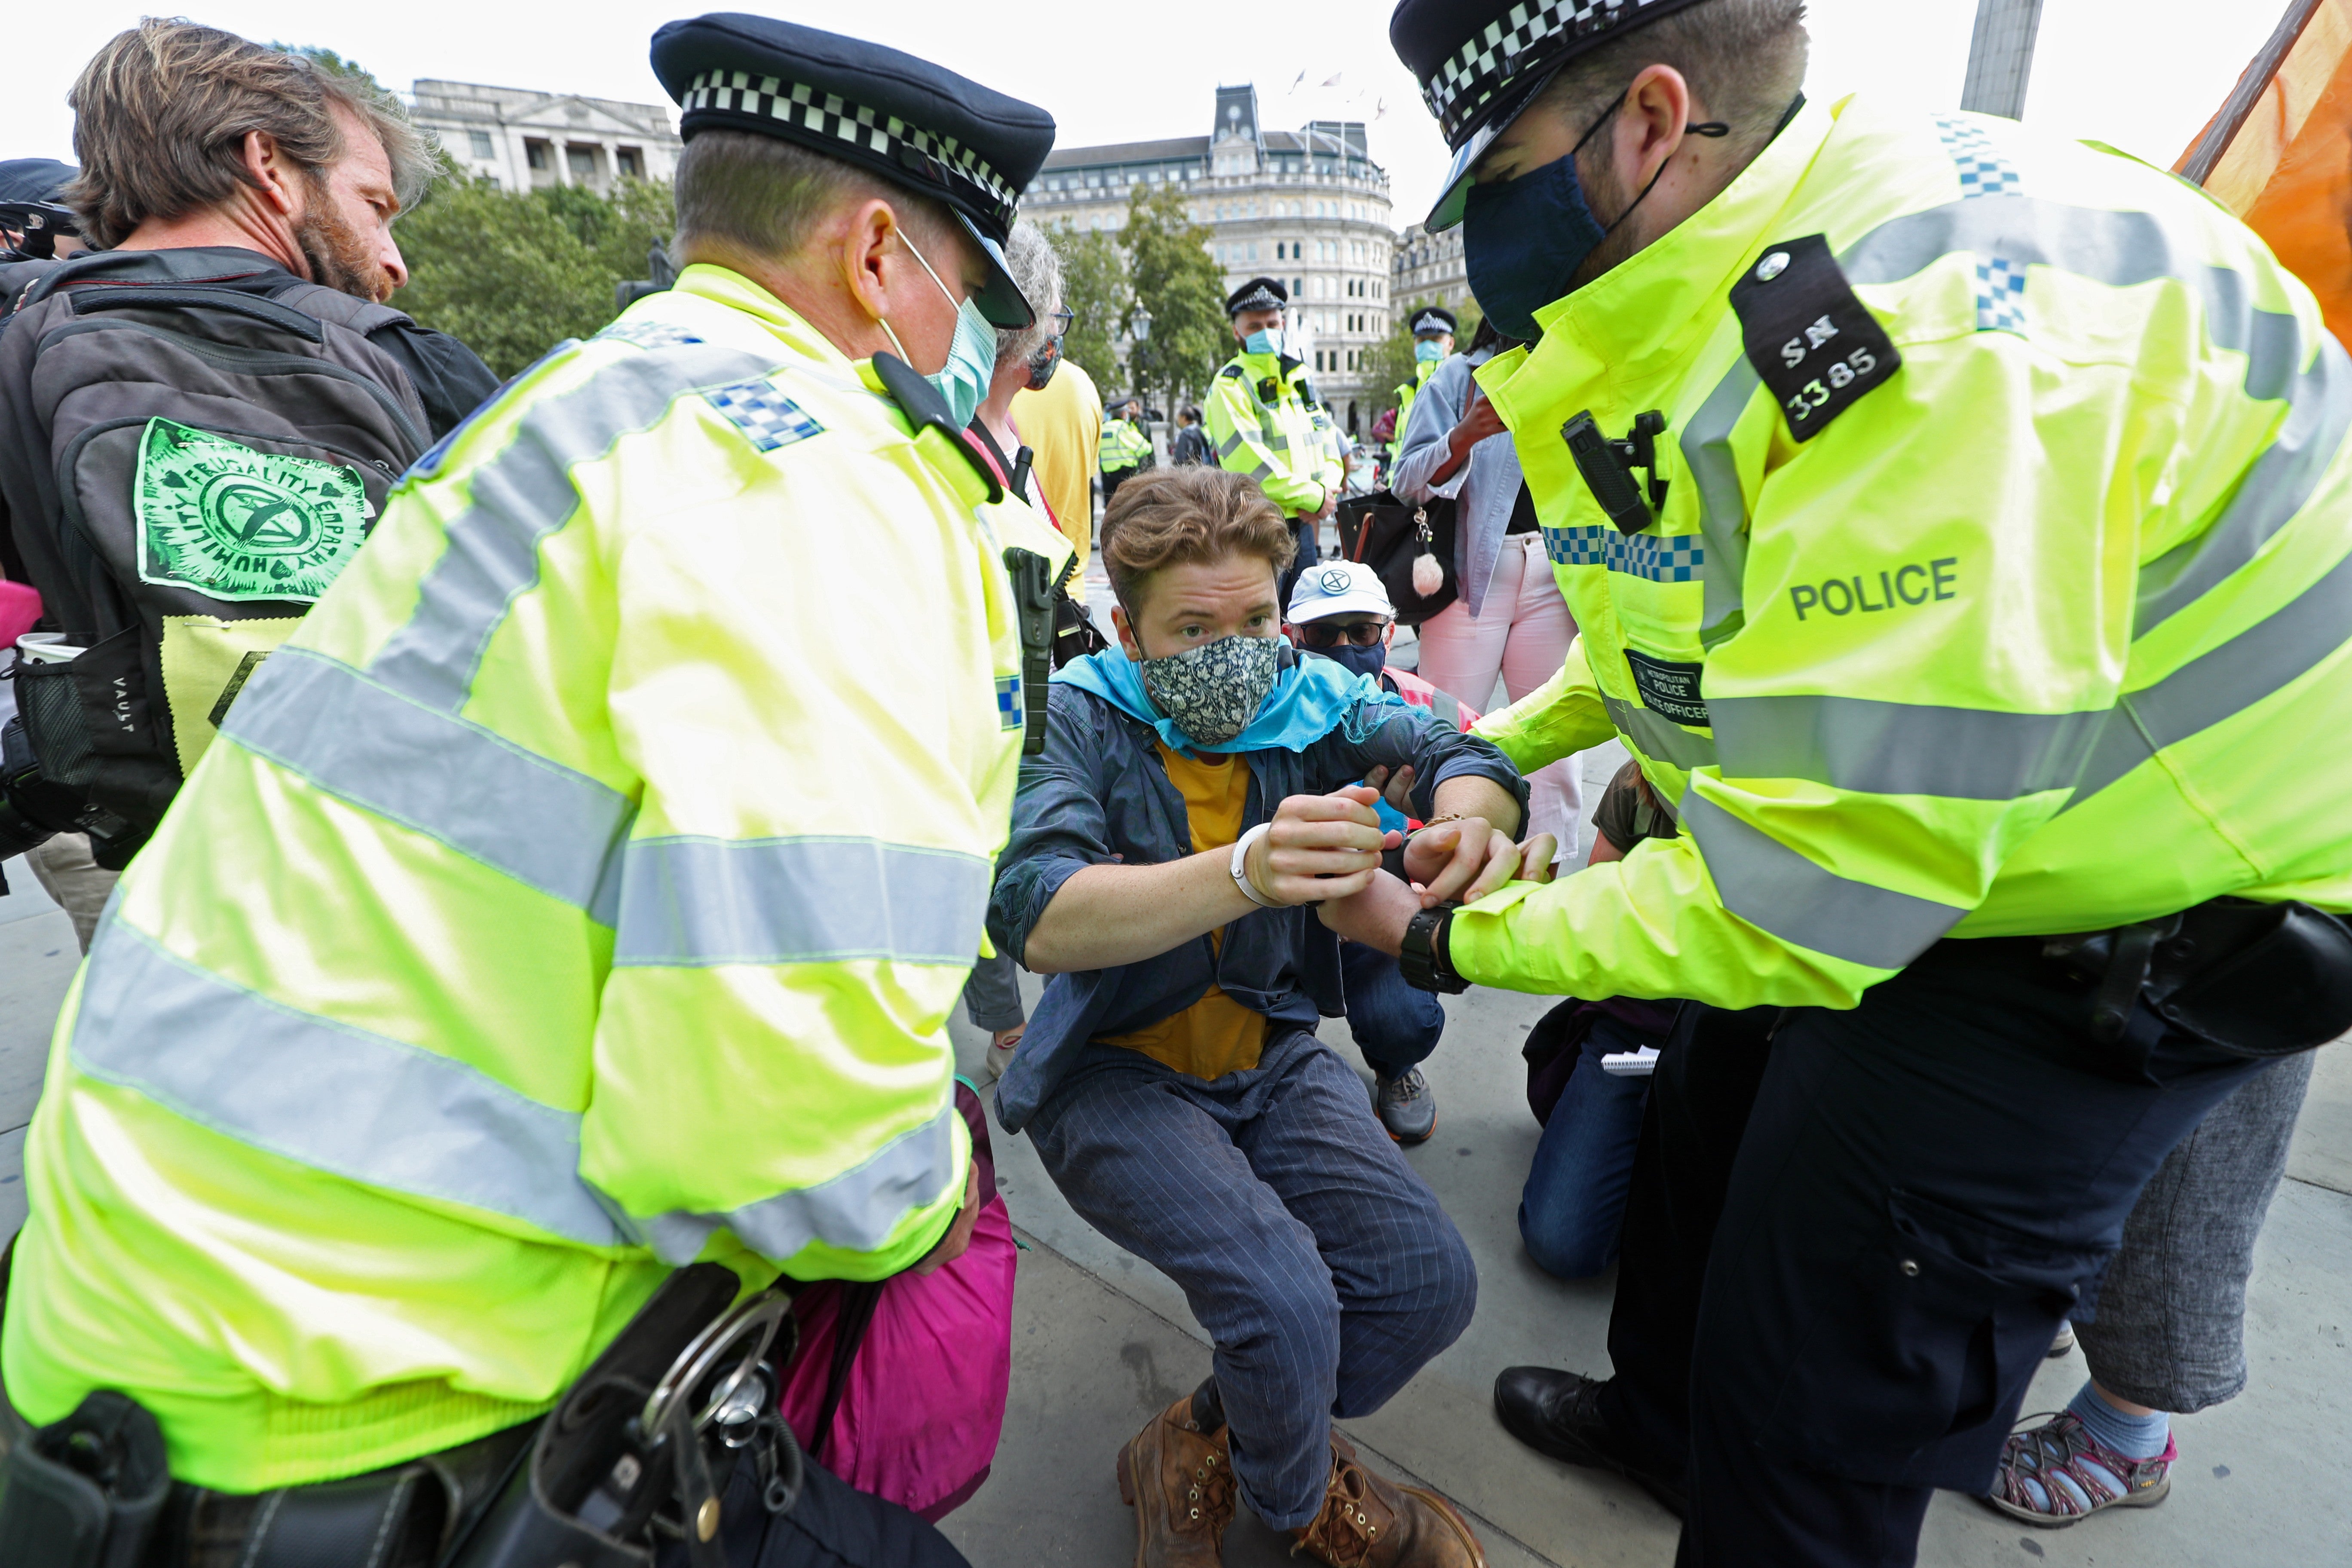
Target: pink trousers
{"points": [[1521, 634]]}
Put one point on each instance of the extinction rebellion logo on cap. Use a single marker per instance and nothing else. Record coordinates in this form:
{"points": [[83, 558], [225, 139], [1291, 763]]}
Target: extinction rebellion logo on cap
{"points": [[231, 522], [1335, 581]]}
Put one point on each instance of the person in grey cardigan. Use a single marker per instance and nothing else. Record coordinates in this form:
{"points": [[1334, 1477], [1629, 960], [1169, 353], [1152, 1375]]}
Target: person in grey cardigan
{"points": [[1511, 620]]}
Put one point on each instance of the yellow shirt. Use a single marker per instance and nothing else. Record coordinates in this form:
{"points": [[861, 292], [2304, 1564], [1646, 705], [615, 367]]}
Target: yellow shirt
{"points": [[1062, 425], [1216, 1034]]}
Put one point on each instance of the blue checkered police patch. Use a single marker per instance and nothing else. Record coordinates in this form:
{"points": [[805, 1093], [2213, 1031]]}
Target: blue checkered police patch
{"points": [[765, 415]]}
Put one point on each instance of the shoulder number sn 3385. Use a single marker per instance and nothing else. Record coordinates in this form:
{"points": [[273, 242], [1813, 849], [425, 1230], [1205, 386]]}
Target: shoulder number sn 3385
{"points": [[1811, 342]]}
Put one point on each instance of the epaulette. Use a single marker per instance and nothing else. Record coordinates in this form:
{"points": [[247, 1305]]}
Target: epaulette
{"points": [[1231, 369], [921, 402]]}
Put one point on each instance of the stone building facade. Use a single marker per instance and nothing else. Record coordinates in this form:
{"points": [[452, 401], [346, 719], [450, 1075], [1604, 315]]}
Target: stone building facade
{"points": [[526, 139], [1308, 206], [1430, 271]]}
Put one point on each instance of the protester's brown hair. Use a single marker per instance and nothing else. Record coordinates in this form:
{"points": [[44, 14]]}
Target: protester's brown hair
{"points": [[161, 114], [1173, 517]]}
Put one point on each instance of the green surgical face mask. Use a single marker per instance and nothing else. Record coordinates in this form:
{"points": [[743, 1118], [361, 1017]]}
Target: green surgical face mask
{"points": [[971, 356]]}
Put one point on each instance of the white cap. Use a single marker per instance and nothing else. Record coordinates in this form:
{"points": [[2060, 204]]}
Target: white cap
{"points": [[1337, 588]]}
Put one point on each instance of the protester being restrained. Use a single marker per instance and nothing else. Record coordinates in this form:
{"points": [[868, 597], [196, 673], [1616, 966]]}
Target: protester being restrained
{"points": [[1192, 797]]}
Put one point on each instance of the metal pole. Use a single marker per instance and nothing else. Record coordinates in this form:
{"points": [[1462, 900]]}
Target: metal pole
{"points": [[2001, 56]]}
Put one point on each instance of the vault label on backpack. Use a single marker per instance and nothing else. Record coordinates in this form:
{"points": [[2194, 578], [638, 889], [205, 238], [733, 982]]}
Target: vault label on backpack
{"points": [[230, 523]]}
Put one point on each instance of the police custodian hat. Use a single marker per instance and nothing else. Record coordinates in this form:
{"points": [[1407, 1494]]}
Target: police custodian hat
{"points": [[1257, 294], [1434, 320], [1479, 63], [906, 120]]}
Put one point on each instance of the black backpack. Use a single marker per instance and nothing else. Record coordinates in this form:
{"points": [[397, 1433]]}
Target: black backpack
{"points": [[188, 466]]}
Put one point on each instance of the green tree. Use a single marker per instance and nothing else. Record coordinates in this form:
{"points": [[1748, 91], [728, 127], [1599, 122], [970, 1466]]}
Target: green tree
{"points": [[1094, 291], [1173, 277], [513, 273]]}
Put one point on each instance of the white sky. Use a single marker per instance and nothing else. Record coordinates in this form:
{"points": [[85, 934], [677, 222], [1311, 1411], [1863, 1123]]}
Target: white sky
{"points": [[2143, 74]]}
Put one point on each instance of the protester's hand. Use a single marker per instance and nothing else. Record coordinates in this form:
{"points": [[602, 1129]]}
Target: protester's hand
{"points": [[1478, 421], [1376, 917], [1319, 846], [1396, 788], [959, 1233], [1536, 859], [1461, 860]]}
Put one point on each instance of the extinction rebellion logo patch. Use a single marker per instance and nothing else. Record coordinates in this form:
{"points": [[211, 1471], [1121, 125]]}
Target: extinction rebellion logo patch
{"points": [[230, 523]]}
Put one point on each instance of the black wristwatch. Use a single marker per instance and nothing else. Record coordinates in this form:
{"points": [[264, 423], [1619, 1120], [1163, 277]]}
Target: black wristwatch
{"points": [[1418, 958]]}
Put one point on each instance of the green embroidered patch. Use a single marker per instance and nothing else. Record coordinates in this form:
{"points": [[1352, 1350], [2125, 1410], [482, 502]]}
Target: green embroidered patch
{"points": [[230, 523]]}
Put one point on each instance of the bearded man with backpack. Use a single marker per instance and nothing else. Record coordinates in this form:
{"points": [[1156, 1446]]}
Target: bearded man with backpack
{"points": [[199, 420]]}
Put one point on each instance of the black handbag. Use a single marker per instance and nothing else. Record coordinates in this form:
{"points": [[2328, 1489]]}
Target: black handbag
{"points": [[1389, 535]]}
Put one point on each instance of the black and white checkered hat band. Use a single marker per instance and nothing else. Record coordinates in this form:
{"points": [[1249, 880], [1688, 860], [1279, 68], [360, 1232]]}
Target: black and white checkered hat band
{"points": [[829, 114], [1496, 54]]}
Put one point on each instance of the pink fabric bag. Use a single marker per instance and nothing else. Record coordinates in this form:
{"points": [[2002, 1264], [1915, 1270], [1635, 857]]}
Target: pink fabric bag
{"points": [[20, 611], [921, 1395]]}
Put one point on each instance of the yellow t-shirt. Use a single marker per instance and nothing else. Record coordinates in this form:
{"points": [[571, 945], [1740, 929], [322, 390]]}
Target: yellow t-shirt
{"points": [[1216, 1034], [1061, 426]]}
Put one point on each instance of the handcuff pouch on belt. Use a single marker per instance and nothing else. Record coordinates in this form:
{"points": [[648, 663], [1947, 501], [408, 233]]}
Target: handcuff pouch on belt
{"points": [[2253, 979], [641, 1449]]}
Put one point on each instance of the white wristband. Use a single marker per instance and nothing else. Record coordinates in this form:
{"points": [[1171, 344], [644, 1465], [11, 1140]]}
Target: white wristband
{"points": [[1241, 874]]}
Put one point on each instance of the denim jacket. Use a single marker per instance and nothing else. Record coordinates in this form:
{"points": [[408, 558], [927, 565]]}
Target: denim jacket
{"points": [[1100, 795], [1486, 486]]}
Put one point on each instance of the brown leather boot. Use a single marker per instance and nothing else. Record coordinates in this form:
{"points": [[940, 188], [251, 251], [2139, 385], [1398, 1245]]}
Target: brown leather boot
{"points": [[1180, 1481], [1368, 1522]]}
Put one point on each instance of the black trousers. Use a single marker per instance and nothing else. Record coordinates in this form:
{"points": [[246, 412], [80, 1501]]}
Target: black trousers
{"points": [[1307, 533], [1852, 1236], [832, 1526]]}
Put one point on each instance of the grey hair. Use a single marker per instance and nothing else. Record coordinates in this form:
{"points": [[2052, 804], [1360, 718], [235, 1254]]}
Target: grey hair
{"points": [[1744, 60], [1030, 257]]}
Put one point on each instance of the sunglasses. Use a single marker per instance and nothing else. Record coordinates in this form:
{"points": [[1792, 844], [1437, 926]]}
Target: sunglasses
{"points": [[1322, 634]]}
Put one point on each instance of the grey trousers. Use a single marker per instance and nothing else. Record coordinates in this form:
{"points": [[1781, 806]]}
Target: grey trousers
{"points": [[79, 884], [991, 997], [2169, 1330]]}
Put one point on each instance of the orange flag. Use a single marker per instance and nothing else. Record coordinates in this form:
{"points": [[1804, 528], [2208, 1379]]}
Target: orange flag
{"points": [[2279, 154]]}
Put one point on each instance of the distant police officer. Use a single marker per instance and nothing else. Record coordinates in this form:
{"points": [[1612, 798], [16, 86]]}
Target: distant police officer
{"points": [[1432, 339], [488, 970], [1961, 524], [1259, 423], [1125, 450]]}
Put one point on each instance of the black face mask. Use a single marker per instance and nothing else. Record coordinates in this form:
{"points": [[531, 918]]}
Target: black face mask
{"points": [[1368, 661]]}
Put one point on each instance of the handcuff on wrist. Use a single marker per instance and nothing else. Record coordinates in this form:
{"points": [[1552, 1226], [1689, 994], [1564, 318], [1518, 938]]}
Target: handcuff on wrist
{"points": [[1421, 958], [1240, 867]]}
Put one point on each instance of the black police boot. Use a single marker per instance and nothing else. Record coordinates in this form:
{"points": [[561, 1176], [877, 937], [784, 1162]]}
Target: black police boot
{"points": [[1559, 1413]]}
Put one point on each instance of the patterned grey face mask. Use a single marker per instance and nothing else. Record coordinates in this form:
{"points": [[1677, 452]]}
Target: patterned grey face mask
{"points": [[1212, 691]]}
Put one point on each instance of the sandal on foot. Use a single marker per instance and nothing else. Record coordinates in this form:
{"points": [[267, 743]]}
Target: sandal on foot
{"points": [[2056, 1473]]}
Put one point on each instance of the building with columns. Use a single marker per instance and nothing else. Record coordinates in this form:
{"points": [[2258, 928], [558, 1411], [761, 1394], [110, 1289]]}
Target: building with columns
{"points": [[526, 141], [1308, 206]]}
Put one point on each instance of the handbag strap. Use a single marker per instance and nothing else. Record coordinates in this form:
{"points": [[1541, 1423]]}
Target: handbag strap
{"points": [[855, 1316]]}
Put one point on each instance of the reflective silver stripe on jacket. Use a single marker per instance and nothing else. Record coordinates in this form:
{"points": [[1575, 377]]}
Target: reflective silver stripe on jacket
{"points": [[1770, 885], [450, 779], [522, 495], [1659, 736], [856, 1211], [691, 900], [1901, 748], [325, 1094]]}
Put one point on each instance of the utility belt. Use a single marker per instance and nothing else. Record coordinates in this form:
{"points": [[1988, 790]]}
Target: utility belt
{"points": [[2247, 979], [637, 1454]]}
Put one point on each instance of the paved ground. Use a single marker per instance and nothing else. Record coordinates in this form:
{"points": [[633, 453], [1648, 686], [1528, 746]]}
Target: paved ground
{"points": [[1102, 1341]]}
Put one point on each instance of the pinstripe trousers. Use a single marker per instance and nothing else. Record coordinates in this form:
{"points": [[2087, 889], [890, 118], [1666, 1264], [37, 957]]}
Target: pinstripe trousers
{"points": [[1319, 1262]]}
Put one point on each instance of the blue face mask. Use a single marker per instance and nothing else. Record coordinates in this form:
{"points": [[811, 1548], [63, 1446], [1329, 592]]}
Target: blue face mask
{"points": [[972, 357], [1429, 350], [1362, 660], [1262, 342], [1523, 239]]}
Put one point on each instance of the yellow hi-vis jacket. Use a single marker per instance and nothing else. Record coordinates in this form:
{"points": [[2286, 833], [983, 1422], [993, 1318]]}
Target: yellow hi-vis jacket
{"points": [[580, 890], [1422, 371], [1122, 446], [2044, 632], [1258, 426]]}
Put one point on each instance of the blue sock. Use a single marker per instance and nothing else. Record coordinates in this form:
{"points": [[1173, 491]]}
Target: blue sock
{"points": [[2133, 1436]]}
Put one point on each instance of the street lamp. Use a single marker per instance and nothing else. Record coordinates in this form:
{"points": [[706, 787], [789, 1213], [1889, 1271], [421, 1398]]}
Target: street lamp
{"points": [[1139, 325]]}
